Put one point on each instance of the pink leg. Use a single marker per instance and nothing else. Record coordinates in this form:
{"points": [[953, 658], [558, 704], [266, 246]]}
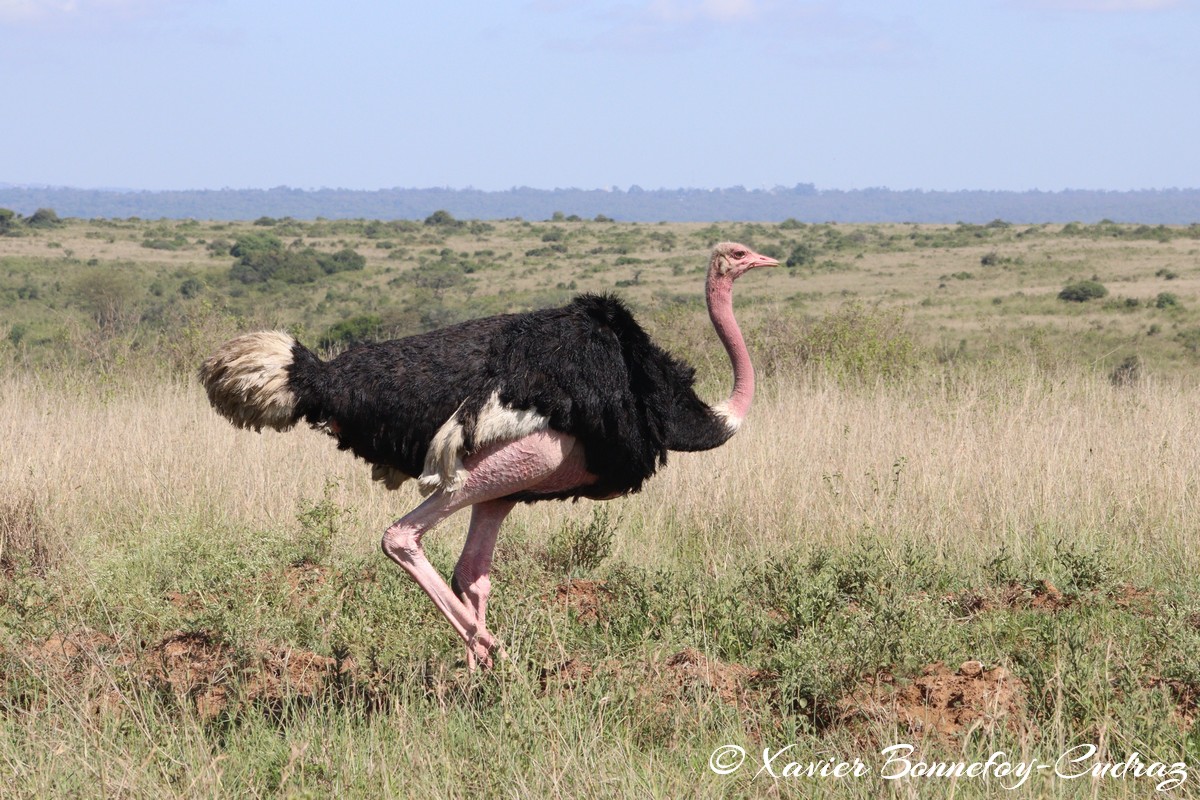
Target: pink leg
{"points": [[470, 581], [546, 458]]}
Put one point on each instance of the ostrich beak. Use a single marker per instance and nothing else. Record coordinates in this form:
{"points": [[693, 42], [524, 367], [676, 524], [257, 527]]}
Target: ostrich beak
{"points": [[759, 260]]}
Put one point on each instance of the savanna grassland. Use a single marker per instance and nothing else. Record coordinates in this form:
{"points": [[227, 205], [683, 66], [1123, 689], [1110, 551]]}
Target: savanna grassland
{"points": [[962, 516]]}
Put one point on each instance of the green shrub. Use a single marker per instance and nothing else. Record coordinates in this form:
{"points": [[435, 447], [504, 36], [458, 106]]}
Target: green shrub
{"points": [[177, 242], [361, 328], [443, 219], [860, 341], [251, 244], [191, 287], [802, 255], [262, 258], [580, 547], [345, 260], [1082, 291], [44, 218], [1166, 300]]}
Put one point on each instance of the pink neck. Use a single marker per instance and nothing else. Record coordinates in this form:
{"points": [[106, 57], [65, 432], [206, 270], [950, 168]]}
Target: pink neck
{"points": [[719, 293]]}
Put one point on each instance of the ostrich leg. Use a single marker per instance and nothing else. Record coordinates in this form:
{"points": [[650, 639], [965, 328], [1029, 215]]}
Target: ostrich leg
{"points": [[470, 580], [546, 460]]}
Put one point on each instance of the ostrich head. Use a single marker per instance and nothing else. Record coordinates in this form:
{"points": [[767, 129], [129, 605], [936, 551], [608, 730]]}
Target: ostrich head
{"points": [[731, 260]]}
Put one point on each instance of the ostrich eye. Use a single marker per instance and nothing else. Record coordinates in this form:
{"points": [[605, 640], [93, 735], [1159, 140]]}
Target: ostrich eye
{"points": [[739, 253]]}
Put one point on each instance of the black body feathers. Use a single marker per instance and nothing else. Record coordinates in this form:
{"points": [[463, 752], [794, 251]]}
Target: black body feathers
{"points": [[587, 367]]}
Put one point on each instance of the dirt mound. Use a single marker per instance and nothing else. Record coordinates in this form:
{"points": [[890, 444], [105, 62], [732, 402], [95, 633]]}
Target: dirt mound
{"points": [[940, 702], [1045, 596], [1140, 601], [569, 674], [1040, 596], [71, 649], [690, 670], [194, 667], [688, 673], [585, 597], [80, 659]]}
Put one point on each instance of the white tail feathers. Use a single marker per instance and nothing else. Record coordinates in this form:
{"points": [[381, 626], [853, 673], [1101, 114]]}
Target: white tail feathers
{"points": [[247, 380]]}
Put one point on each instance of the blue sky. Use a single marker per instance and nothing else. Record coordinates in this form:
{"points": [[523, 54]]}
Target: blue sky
{"points": [[908, 94]]}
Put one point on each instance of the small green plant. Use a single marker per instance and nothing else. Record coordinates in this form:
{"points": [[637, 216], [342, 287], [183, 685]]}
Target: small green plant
{"points": [[580, 547], [1086, 569], [319, 524]]}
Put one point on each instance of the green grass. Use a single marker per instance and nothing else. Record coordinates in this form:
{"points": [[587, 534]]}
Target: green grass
{"points": [[929, 479]]}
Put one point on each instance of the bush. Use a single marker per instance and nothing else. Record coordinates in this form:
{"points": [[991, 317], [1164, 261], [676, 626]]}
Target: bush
{"points": [[262, 258], [1166, 300], [191, 287], [362, 328], [443, 219], [1082, 291], [856, 342], [801, 256], [177, 242], [250, 244], [44, 218]]}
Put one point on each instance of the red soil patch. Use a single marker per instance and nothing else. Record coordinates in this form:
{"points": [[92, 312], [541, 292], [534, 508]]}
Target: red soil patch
{"points": [[67, 649], [941, 702], [1045, 596], [686, 673], [1141, 601], [201, 669], [185, 601], [586, 598], [79, 660], [1041, 596], [569, 674], [194, 667], [690, 670]]}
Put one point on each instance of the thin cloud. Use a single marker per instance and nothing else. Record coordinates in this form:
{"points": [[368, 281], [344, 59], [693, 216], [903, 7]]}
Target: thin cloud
{"points": [[71, 11], [820, 31], [1108, 6], [676, 11]]}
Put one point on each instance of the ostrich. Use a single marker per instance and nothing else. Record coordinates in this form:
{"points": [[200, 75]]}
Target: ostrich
{"points": [[559, 403]]}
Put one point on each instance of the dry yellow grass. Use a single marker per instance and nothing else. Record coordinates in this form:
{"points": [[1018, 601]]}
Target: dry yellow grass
{"points": [[967, 463]]}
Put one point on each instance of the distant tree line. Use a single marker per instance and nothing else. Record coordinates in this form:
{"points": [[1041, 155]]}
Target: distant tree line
{"points": [[802, 201]]}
